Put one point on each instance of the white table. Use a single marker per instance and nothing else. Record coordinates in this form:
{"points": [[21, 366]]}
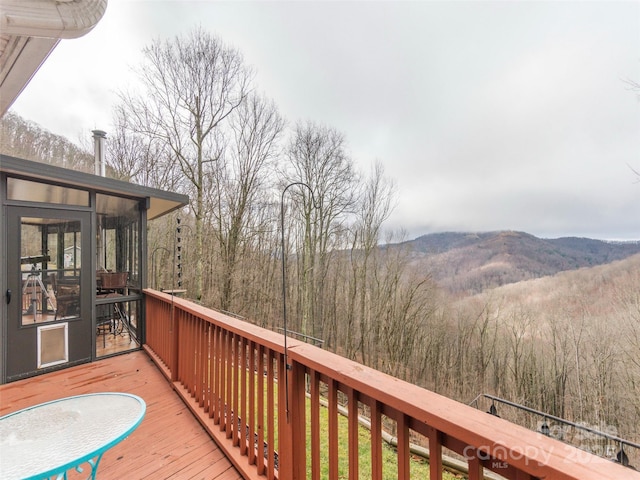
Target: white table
{"points": [[49, 439]]}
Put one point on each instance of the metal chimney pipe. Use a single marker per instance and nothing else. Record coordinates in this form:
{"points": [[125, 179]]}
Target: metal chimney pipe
{"points": [[98, 146]]}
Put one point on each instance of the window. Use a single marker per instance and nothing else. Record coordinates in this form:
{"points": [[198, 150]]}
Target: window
{"points": [[118, 242], [29, 191], [50, 263]]}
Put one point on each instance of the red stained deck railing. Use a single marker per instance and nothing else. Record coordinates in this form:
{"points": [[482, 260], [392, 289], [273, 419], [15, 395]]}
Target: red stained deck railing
{"points": [[231, 374]]}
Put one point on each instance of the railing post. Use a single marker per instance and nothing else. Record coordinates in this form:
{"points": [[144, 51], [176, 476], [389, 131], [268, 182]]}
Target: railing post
{"points": [[292, 456]]}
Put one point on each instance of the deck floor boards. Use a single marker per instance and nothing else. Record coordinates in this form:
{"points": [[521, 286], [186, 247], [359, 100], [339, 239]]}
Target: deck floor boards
{"points": [[169, 443]]}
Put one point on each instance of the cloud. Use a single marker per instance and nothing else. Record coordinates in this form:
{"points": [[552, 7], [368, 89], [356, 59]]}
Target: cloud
{"points": [[488, 115]]}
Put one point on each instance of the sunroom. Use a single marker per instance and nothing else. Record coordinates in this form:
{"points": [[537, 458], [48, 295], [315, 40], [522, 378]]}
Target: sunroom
{"points": [[75, 265]]}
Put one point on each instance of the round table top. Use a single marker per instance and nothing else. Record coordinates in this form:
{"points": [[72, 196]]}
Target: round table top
{"points": [[53, 437]]}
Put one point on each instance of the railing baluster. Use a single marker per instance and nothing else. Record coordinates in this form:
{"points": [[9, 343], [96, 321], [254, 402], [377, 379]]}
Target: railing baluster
{"points": [[210, 368], [222, 379], [180, 332], [435, 454], [523, 476], [260, 393], [215, 351], [186, 361], [476, 472], [376, 440], [252, 402], [203, 361], [219, 412], [228, 390], [315, 425], [175, 347], [195, 356], [242, 424], [181, 329], [236, 390], [403, 448], [271, 381], [194, 359], [353, 433], [164, 335], [334, 449]]}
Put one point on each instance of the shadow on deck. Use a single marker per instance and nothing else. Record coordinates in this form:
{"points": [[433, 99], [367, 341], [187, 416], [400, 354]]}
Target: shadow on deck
{"points": [[169, 443]]}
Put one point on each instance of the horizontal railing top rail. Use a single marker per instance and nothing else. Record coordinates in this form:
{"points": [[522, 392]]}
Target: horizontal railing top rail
{"points": [[269, 339], [244, 362]]}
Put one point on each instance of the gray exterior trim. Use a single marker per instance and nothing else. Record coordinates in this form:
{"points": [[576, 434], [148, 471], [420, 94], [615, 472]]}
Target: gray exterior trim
{"points": [[160, 202]]}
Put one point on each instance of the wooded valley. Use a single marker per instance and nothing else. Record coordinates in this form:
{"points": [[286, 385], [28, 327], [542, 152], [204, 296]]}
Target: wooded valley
{"points": [[562, 338]]}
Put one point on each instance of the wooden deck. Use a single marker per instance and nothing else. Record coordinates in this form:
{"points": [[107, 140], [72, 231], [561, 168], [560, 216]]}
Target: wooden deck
{"points": [[169, 443]]}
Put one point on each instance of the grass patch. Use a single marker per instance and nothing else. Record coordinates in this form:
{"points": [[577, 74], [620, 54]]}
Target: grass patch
{"points": [[419, 467]]}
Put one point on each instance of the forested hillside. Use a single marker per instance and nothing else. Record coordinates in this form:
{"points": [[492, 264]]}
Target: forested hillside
{"points": [[24, 139], [568, 343]]}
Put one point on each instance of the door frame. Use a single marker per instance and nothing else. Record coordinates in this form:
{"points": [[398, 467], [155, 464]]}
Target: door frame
{"points": [[20, 341]]}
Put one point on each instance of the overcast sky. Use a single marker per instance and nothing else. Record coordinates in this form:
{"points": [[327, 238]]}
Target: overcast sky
{"points": [[488, 115]]}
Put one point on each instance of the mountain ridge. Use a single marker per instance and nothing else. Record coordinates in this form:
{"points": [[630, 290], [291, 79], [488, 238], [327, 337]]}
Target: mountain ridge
{"points": [[471, 262]]}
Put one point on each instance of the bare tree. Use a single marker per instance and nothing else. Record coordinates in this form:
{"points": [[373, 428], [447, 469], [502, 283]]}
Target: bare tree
{"points": [[140, 159], [558, 341], [633, 86], [317, 156], [244, 175], [191, 85], [374, 205]]}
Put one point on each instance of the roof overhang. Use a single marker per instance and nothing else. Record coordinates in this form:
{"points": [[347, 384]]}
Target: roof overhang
{"points": [[160, 202], [30, 30]]}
